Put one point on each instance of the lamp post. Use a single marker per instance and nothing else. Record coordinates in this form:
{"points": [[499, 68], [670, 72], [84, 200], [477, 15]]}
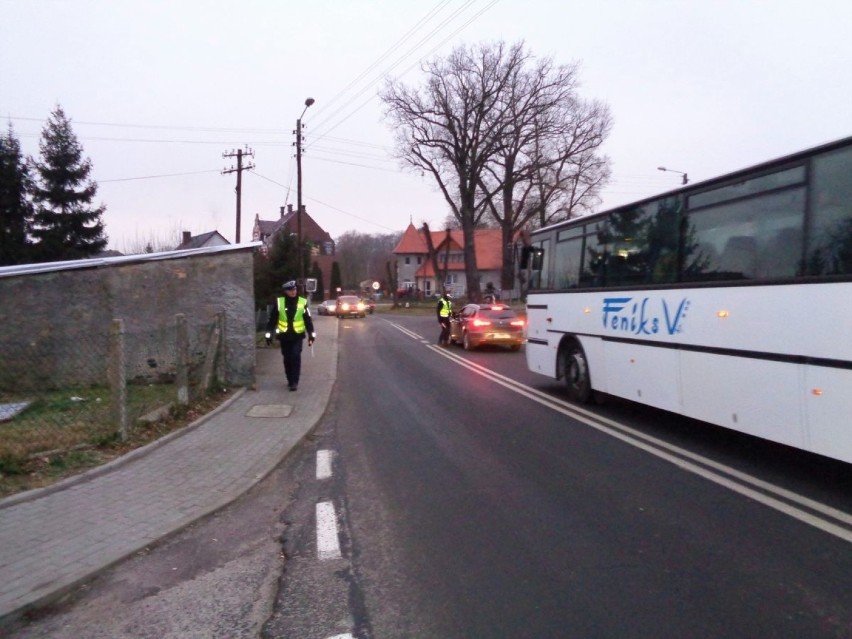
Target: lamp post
{"points": [[308, 102], [685, 178]]}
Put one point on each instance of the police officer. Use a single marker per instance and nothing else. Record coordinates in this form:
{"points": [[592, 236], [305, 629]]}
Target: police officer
{"points": [[291, 321], [444, 311]]}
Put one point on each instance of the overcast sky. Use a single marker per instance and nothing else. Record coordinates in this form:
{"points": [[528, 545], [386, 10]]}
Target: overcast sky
{"points": [[158, 90]]}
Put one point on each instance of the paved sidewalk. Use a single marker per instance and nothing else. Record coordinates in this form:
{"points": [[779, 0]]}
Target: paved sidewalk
{"points": [[55, 538]]}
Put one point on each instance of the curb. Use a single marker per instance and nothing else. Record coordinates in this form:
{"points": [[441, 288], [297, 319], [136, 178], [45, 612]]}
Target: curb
{"points": [[92, 473]]}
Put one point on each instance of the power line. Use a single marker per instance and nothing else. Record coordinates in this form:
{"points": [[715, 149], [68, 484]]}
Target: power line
{"points": [[151, 177], [321, 135], [399, 61], [390, 50]]}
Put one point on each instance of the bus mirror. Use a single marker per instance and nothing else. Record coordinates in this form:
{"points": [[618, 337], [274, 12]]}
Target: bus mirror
{"points": [[534, 254]]}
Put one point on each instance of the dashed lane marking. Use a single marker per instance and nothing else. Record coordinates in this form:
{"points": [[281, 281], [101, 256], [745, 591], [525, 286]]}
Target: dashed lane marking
{"points": [[328, 544], [324, 470]]}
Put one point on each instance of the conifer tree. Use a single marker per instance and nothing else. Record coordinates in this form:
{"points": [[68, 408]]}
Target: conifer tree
{"points": [[16, 209], [67, 225]]}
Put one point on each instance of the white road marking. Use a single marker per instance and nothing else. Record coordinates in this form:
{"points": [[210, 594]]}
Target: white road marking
{"points": [[348, 635], [680, 457], [324, 470], [328, 545]]}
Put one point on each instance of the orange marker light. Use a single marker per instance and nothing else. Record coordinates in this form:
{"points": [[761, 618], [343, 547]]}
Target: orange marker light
{"points": [[722, 314], [816, 391]]}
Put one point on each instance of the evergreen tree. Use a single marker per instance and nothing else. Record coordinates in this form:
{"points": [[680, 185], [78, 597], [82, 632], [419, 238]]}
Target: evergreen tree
{"points": [[336, 279], [67, 226], [16, 210], [316, 273]]}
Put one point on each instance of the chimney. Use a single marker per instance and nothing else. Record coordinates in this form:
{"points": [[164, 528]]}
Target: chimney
{"points": [[289, 208], [187, 236], [282, 212]]}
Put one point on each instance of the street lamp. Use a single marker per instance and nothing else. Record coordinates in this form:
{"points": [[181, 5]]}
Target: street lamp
{"points": [[308, 102], [685, 179]]}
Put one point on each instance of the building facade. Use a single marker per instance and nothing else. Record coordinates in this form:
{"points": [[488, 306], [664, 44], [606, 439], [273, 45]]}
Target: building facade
{"points": [[322, 252], [416, 273]]}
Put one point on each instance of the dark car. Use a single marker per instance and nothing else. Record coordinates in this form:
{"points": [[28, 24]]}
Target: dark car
{"points": [[350, 306], [479, 324], [370, 305]]}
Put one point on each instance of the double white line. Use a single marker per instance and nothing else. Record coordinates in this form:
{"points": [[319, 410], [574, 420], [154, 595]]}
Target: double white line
{"points": [[825, 518]]}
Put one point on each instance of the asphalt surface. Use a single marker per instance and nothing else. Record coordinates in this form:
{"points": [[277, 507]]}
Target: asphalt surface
{"points": [[55, 538]]}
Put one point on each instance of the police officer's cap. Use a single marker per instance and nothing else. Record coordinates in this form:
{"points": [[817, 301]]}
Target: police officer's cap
{"points": [[289, 285]]}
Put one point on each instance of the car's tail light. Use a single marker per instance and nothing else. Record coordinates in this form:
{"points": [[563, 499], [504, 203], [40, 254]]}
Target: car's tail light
{"points": [[481, 322], [519, 322]]}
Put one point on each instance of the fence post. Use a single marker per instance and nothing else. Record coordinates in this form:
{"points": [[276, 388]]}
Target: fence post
{"points": [[117, 377], [182, 346], [210, 358], [220, 358]]}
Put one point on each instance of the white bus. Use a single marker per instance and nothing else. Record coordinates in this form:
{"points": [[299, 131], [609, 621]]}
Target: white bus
{"points": [[728, 301]]}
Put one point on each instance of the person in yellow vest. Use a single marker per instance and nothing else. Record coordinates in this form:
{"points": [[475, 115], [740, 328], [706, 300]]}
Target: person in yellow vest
{"points": [[444, 311], [290, 320]]}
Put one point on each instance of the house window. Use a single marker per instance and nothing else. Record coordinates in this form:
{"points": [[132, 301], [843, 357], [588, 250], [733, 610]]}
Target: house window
{"points": [[419, 260], [408, 260]]}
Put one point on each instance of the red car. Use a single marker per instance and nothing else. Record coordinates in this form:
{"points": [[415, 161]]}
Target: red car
{"points": [[478, 324], [350, 306]]}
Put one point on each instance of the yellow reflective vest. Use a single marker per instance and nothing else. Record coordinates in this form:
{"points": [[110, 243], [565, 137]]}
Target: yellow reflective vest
{"points": [[298, 316], [446, 307]]}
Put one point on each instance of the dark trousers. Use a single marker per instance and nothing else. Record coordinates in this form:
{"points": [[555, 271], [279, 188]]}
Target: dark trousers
{"points": [[445, 330], [291, 351]]}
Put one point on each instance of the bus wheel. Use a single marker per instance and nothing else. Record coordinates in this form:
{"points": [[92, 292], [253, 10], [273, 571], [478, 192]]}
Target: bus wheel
{"points": [[575, 371]]}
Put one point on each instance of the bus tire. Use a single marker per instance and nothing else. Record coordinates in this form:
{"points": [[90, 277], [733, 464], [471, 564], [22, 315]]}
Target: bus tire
{"points": [[575, 372]]}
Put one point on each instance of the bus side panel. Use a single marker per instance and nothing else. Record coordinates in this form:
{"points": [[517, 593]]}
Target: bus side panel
{"points": [[541, 358], [644, 374], [828, 410], [754, 396]]}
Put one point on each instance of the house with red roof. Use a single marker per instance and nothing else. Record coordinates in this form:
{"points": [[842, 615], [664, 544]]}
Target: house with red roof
{"points": [[323, 250], [415, 271]]}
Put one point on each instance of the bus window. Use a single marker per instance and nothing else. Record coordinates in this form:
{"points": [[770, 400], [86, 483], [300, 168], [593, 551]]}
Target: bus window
{"points": [[830, 239], [593, 270], [567, 257], [745, 236]]}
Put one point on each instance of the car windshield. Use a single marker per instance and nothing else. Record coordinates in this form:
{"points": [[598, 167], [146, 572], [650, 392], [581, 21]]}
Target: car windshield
{"points": [[348, 299], [497, 313]]}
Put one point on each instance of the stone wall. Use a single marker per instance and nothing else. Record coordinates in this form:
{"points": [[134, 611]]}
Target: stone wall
{"points": [[55, 322]]}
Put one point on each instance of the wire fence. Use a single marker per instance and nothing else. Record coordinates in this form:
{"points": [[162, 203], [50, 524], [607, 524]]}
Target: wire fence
{"points": [[92, 389]]}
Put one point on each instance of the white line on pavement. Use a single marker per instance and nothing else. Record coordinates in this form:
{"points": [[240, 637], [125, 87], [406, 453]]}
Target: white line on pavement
{"points": [[324, 464], [328, 545]]}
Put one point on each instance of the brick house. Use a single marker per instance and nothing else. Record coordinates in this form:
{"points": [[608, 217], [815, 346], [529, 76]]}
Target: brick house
{"points": [[323, 251], [415, 271]]}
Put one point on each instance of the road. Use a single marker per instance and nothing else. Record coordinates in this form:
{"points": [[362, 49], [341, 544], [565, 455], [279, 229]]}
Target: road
{"points": [[469, 506], [468, 500]]}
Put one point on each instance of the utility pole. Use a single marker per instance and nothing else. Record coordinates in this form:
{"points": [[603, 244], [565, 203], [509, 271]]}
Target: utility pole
{"points": [[239, 153], [298, 132]]}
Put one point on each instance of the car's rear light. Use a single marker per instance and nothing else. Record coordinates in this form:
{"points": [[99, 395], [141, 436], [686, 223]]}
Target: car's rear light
{"points": [[480, 322], [517, 322]]}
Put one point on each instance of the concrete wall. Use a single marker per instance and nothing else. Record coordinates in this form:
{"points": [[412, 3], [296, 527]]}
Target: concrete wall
{"points": [[55, 324]]}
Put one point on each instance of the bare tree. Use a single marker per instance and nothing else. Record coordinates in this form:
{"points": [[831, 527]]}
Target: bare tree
{"points": [[505, 133], [450, 128], [547, 165]]}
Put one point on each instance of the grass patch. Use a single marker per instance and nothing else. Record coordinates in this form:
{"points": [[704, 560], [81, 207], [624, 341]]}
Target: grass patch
{"points": [[81, 438]]}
